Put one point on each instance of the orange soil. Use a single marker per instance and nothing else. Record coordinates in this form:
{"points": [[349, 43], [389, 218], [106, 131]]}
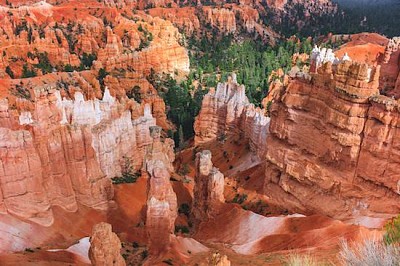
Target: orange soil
{"points": [[364, 47]]}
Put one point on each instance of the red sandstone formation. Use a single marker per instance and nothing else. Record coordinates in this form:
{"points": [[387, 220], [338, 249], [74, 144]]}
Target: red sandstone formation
{"points": [[105, 247], [209, 187], [228, 111], [72, 149], [162, 207], [341, 112]]}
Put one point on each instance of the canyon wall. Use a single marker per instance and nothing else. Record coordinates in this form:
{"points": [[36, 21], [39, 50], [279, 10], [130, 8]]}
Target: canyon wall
{"points": [[227, 111], [333, 148], [330, 142]]}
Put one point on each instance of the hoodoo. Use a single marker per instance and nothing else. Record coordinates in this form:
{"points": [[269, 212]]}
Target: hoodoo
{"points": [[105, 247], [209, 187], [162, 207], [227, 111]]}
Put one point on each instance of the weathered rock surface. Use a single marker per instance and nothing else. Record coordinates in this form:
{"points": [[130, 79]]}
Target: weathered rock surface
{"points": [[228, 111], [105, 246], [162, 207], [332, 144]]}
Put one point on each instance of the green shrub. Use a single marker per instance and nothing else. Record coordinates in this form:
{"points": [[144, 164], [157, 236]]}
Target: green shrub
{"points": [[168, 261], [392, 235], [239, 198], [181, 228], [184, 209], [28, 73], [9, 72], [128, 174]]}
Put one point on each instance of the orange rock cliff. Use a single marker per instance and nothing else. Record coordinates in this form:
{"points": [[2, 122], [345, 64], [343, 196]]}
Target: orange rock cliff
{"points": [[351, 160]]}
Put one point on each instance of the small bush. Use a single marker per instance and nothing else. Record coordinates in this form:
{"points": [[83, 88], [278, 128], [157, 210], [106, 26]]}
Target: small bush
{"points": [[168, 261], [184, 209], [301, 260], [392, 234], [369, 252], [181, 228], [145, 254], [9, 72], [184, 170], [28, 73], [128, 174], [239, 198]]}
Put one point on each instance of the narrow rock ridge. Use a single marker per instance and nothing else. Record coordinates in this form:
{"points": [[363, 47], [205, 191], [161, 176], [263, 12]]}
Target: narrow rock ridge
{"points": [[333, 140], [209, 188], [227, 111], [62, 152], [105, 247], [162, 206]]}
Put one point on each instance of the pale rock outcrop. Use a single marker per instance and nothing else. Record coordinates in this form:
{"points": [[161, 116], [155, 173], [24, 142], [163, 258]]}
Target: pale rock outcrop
{"points": [[209, 188], [105, 247], [221, 18], [221, 111], [162, 206], [227, 110]]}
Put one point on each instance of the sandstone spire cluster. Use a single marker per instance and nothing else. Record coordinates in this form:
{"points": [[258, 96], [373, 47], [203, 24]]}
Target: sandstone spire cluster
{"points": [[71, 150], [227, 110]]}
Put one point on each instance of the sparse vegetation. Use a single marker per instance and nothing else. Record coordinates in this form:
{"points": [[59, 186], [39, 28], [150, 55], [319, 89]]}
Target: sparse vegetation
{"points": [[372, 252], [128, 174], [21, 92], [301, 260], [168, 261], [28, 72], [100, 77], [184, 209], [184, 169], [135, 94], [181, 229], [9, 72], [239, 198], [44, 63], [392, 235]]}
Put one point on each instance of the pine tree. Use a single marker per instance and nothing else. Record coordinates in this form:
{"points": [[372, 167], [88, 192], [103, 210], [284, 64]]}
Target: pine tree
{"points": [[181, 137]]}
